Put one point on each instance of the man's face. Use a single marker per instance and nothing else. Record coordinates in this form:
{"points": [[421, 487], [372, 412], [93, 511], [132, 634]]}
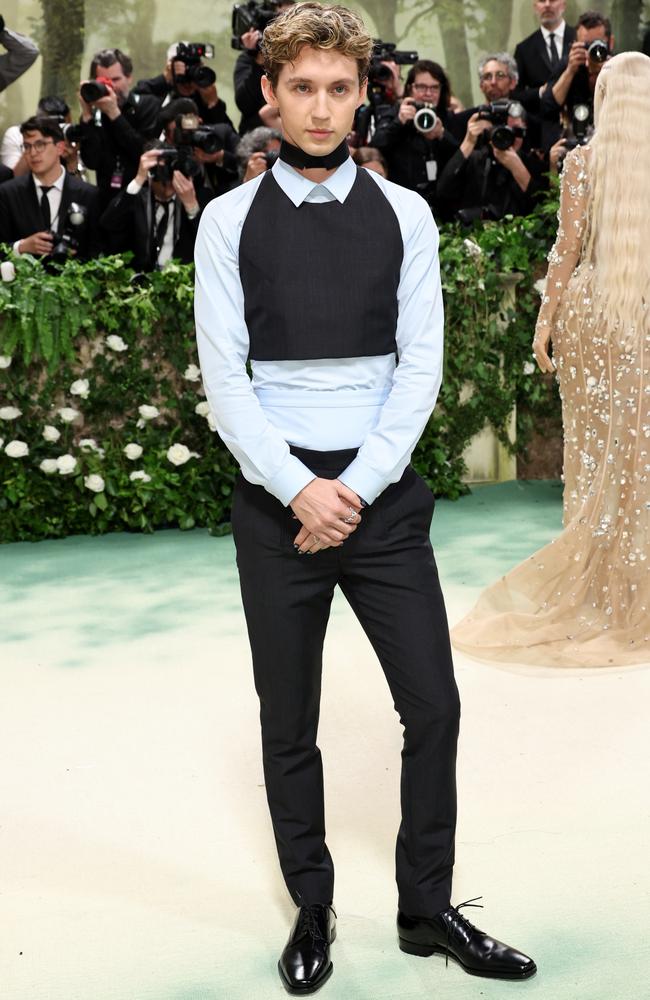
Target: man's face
{"points": [[549, 12], [496, 81], [41, 152], [589, 35], [162, 190], [121, 84], [317, 96]]}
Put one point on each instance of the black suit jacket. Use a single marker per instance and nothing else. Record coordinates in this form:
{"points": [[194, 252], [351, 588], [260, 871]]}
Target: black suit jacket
{"points": [[20, 212], [533, 60], [127, 223]]}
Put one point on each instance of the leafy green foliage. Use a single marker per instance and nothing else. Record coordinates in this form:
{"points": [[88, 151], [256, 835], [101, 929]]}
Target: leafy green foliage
{"points": [[57, 326]]}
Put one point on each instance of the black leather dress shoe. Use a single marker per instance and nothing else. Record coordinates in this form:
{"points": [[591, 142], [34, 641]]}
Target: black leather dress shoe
{"points": [[305, 963], [452, 934]]}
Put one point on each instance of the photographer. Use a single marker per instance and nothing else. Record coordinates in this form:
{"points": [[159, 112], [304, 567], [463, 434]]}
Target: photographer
{"points": [[115, 122], [257, 151], [491, 175], [213, 147], [575, 80], [385, 88], [11, 150], [248, 68], [417, 145], [186, 75], [48, 209], [157, 216], [21, 53]]}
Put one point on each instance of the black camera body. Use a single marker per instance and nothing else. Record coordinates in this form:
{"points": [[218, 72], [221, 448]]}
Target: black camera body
{"points": [[501, 135], [251, 16], [271, 155], [379, 76], [93, 90], [66, 243], [191, 54], [598, 51], [171, 158]]}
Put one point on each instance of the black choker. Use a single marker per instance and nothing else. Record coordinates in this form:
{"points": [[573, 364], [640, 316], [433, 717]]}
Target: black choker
{"points": [[298, 158]]}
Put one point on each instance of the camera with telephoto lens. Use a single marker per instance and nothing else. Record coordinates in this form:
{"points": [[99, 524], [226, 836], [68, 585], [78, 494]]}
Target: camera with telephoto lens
{"points": [[579, 130], [189, 132], [94, 90], [66, 243], [191, 54], [380, 77], [598, 51], [425, 117], [502, 135], [251, 16]]}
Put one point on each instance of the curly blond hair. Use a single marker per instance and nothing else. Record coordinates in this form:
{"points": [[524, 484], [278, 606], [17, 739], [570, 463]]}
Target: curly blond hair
{"points": [[319, 27]]}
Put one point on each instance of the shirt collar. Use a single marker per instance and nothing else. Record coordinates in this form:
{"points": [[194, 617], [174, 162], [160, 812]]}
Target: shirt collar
{"points": [[558, 33], [297, 187], [58, 184]]}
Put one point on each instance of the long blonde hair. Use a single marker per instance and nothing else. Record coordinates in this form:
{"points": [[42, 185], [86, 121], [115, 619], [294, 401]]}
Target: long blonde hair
{"points": [[618, 210]]}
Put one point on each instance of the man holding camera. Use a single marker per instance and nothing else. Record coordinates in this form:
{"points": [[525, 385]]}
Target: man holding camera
{"points": [[21, 53], [490, 175], [575, 80], [157, 216], [255, 112], [186, 75], [213, 147], [257, 152], [414, 138], [36, 209], [115, 122]]}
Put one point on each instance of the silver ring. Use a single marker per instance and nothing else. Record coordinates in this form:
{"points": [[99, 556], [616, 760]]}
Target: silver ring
{"points": [[351, 516]]}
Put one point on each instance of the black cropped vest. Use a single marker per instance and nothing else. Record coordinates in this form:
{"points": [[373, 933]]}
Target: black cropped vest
{"points": [[320, 280]]}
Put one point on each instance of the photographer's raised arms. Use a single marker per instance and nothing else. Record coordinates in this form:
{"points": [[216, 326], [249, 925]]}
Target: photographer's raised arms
{"points": [[482, 162]]}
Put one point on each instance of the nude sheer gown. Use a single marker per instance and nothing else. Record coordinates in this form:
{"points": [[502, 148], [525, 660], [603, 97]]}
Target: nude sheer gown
{"points": [[584, 599]]}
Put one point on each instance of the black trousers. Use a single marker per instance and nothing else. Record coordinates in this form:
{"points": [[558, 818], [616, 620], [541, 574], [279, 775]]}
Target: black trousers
{"points": [[387, 572]]}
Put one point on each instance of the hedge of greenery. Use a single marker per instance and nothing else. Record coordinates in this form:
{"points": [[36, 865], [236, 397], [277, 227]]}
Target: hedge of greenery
{"points": [[103, 422]]}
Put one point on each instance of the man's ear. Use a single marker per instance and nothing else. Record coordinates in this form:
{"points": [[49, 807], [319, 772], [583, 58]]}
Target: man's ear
{"points": [[363, 90], [269, 93]]}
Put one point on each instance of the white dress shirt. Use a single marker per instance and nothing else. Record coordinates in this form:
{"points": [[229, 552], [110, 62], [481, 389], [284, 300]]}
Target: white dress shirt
{"points": [[558, 39], [375, 404], [53, 196]]}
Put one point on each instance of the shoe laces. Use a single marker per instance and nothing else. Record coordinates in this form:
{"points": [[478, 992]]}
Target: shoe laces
{"points": [[308, 920], [457, 920]]}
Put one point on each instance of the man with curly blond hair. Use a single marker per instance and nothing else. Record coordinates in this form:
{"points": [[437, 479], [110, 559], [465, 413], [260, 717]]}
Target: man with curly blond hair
{"points": [[325, 277]]}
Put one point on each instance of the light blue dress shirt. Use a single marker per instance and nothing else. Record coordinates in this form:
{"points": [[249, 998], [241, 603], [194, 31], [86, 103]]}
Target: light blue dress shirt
{"points": [[379, 405]]}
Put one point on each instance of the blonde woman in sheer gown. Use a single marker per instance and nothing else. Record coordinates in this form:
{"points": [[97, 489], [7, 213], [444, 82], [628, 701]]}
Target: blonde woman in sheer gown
{"points": [[584, 600]]}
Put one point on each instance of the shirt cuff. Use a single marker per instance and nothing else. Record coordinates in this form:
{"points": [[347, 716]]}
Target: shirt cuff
{"points": [[16, 246], [365, 482], [290, 480], [134, 187]]}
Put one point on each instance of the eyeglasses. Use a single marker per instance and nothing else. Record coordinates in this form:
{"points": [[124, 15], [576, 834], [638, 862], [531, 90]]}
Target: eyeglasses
{"points": [[36, 147], [499, 75], [424, 88]]}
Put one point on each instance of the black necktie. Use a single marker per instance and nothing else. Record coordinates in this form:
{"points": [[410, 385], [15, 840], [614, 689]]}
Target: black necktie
{"points": [[553, 51], [45, 207], [161, 226]]}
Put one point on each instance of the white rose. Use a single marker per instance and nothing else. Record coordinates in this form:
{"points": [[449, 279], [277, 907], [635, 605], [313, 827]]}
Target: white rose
{"points": [[94, 483], [16, 449], [212, 423], [88, 444], [202, 409], [5, 360], [7, 270], [80, 387], [116, 343], [10, 413], [2, 441], [192, 373], [66, 464], [133, 451], [178, 454], [68, 414], [529, 368], [51, 433], [148, 412], [141, 475], [48, 466], [472, 248]]}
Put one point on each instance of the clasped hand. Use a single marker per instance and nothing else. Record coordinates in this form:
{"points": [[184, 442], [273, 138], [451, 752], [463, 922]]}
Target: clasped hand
{"points": [[322, 508]]}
